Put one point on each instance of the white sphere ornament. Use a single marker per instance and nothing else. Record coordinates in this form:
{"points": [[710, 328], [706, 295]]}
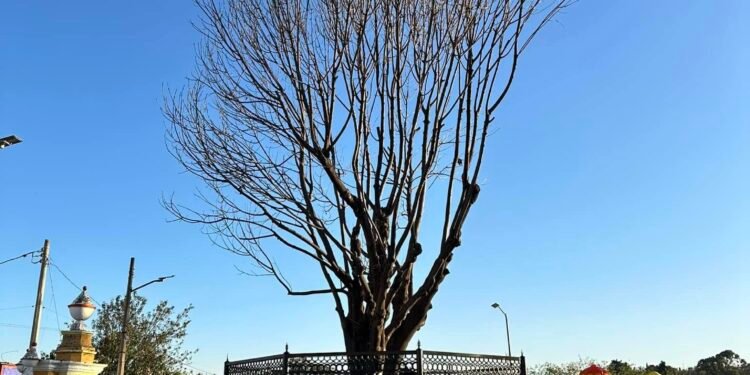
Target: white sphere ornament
{"points": [[81, 310]]}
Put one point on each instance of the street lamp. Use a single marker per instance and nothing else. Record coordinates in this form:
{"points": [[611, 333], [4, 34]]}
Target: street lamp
{"points": [[507, 330], [126, 314], [9, 141]]}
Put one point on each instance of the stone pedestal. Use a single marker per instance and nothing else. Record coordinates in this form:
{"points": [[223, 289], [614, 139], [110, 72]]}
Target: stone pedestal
{"points": [[74, 356], [76, 346]]}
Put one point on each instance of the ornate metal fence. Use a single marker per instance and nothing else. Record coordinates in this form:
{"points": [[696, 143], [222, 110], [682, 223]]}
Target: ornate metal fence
{"points": [[415, 362]]}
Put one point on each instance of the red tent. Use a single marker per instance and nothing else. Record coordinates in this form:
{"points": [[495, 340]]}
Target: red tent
{"points": [[594, 370]]}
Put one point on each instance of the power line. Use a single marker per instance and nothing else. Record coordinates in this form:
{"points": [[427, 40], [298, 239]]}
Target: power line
{"points": [[54, 299], [68, 278], [12, 325], [16, 308], [19, 257], [52, 311], [64, 275]]}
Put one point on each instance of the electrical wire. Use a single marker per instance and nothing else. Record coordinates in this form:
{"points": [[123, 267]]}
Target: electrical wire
{"points": [[12, 325], [16, 308], [68, 278], [19, 257], [64, 275], [51, 311], [54, 299]]}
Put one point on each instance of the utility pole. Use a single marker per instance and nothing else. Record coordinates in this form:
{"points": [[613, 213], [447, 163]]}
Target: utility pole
{"points": [[126, 315], [39, 296]]}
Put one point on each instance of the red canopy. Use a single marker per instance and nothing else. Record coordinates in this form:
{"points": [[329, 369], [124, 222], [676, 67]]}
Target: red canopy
{"points": [[594, 370]]}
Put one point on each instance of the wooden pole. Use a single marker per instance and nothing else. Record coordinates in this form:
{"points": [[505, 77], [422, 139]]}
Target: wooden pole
{"points": [[125, 318], [39, 296]]}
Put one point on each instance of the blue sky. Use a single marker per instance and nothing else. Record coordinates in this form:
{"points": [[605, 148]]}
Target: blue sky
{"points": [[613, 220]]}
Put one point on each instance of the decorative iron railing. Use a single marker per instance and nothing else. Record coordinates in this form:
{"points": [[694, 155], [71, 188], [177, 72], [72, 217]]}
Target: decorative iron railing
{"points": [[415, 362]]}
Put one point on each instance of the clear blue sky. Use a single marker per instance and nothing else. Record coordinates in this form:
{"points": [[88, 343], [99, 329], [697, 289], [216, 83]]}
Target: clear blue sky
{"points": [[614, 219]]}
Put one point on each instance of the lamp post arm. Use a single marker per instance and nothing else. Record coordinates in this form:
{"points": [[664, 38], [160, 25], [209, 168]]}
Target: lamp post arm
{"points": [[152, 281]]}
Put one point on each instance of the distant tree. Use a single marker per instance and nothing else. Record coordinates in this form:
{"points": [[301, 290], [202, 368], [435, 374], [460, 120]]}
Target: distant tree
{"points": [[319, 127], [724, 363], [617, 367], [50, 355], [569, 368], [663, 369], [155, 337]]}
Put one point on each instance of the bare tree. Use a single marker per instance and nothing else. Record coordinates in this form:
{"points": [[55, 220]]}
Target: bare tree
{"points": [[329, 128]]}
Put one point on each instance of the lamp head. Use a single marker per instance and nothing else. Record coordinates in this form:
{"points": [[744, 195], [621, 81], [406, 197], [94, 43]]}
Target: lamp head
{"points": [[9, 140], [161, 279], [81, 309], [496, 305]]}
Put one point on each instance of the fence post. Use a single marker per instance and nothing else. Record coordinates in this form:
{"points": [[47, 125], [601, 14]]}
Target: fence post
{"points": [[523, 364], [420, 369], [285, 362]]}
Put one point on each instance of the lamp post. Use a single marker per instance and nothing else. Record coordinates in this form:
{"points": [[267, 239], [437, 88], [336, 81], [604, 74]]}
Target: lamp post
{"points": [[126, 314], [9, 141], [507, 330]]}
